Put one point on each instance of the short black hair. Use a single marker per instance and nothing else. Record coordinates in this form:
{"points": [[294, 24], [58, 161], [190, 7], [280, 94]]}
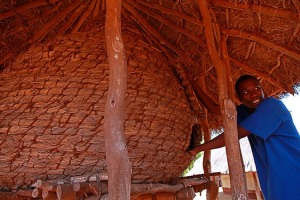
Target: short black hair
{"points": [[241, 79]]}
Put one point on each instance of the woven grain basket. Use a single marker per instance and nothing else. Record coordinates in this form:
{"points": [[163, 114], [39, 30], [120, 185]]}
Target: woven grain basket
{"points": [[52, 109]]}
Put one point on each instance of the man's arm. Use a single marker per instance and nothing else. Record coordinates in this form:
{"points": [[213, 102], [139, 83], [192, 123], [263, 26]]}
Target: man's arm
{"points": [[217, 142]]}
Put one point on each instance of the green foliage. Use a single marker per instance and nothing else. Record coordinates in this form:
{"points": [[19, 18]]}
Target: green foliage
{"points": [[184, 173]]}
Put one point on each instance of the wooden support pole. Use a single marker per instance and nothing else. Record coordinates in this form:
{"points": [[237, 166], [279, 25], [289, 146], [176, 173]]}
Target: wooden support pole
{"points": [[117, 159], [236, 169], [212, 192]]}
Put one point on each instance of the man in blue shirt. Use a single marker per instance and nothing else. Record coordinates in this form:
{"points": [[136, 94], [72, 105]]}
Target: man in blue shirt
{"points": [[273, 137]]}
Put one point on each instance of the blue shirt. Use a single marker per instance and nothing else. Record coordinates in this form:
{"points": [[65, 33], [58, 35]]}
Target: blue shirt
{"points": [[275, 144]]}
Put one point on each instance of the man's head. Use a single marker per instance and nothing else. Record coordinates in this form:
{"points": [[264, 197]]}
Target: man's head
{"points": [[249, 91]]}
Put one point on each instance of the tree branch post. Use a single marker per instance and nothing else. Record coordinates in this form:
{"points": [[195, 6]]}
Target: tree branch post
{"points": [[118, 164], [236, 169]]}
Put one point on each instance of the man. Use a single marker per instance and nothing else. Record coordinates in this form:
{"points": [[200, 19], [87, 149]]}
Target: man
{"points": [[273, 137]]}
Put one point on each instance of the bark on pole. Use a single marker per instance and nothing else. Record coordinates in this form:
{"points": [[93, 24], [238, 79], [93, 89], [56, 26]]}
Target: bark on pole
{"points": [[235, 164], [118, 165]]}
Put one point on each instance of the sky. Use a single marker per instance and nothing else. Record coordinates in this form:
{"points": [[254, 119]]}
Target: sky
{"points": [[293, 105]]}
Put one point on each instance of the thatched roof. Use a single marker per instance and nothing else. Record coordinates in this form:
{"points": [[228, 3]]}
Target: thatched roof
{"points": [[262, 38], [252, 37]]}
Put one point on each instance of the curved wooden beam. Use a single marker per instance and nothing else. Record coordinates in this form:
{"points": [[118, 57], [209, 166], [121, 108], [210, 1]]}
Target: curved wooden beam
{"points": [[259, 73], [249, 36]]}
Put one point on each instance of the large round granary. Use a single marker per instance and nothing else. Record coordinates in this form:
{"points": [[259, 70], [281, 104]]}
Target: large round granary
{"points": [[52, 112]]}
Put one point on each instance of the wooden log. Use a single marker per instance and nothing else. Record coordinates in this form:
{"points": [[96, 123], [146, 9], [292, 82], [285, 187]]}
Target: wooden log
{"points": [[24, 193], [12, 196], [186, 194], [139, 189], [36, 193], [65, 192], [92, 187], [45, 185], [47, 195]]}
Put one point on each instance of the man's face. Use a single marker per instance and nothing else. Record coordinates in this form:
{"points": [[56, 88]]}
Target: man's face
{"points": [[250, 93]]}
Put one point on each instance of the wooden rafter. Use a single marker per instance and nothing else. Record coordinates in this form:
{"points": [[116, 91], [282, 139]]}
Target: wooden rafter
{"points": [[26, 6], [175, 27], [225, 58], [71, 20], [266, 10], [85, 15], [142, 22], [52, 23], [15, 30], [97, 8], [173, 12]]}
